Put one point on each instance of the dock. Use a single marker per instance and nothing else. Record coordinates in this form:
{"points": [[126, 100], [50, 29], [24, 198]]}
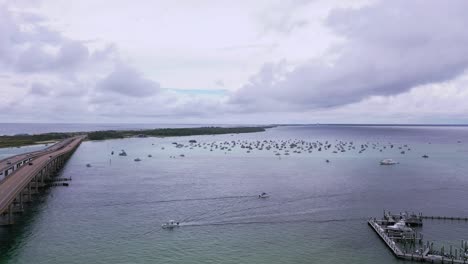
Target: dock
{"points": [[419, 251]]}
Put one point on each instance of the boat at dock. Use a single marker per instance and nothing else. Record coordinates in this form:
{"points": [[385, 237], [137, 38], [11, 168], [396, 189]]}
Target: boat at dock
{"points": [[400, 226]]}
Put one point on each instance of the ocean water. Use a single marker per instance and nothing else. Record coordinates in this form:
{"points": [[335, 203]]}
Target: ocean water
{"points": [[316, 212]]}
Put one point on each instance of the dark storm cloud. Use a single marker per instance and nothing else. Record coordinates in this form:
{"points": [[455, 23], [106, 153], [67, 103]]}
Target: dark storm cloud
{"points": [[127, 81], [389, 48]]}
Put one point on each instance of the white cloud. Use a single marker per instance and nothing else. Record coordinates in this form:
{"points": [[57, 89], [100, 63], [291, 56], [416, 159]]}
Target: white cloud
{"points": [[276, 61]]}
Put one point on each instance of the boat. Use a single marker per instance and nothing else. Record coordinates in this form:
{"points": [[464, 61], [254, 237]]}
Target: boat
{"points": [[137, 159], [425, 156], [388, 162], [263, 195], [170, 224], [88, 165], [149, 156], [123, 153], [400, 226]]}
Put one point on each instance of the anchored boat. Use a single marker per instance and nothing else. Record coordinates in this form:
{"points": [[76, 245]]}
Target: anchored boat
{"points": [[388, 162]]}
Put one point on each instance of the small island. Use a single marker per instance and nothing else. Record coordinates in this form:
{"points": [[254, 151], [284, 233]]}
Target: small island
{"points": [[26, 139]]}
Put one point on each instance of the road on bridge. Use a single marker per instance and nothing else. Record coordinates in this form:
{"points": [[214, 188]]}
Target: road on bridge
{"points": [[12, 185]]}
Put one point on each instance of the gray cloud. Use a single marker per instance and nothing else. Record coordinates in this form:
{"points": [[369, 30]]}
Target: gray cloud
{"points": [[389, 48], [39, 89], [40, 49], [127, 81]]}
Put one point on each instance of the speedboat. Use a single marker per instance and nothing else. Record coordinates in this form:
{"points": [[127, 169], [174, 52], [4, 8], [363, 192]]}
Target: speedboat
{"points": [[400, 226], [388, 162], [263, 195], [170, 225], [123, 153]]}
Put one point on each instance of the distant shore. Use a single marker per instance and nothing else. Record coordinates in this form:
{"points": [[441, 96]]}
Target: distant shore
{"points": [[26, 139]]}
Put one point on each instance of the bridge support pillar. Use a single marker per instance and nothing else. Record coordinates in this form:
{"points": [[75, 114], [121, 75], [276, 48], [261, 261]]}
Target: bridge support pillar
{"points": [[29, 192], [10, 214], [36, 180], [42, 178], [20, 198]]}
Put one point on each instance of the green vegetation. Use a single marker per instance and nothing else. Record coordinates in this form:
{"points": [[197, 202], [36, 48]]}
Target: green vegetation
{"points": [[23, 140], [172, 132]]}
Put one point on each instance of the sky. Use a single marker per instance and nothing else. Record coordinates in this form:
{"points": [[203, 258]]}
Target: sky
{"points": [[234, 62]]}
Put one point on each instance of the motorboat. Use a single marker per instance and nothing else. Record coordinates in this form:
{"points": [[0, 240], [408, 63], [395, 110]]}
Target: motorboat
{"points": [[137, 159], [170, 224], [425, 156], [388, 162], [263, 195], [400, 226], [88, 165], [150, 156], [123, 153]]}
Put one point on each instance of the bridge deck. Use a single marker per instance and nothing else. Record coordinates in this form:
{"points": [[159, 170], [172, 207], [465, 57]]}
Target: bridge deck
{"points": [[11, 186]]}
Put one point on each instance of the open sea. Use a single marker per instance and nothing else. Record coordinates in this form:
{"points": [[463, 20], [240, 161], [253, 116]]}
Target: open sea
{"points": [[316, 213]]}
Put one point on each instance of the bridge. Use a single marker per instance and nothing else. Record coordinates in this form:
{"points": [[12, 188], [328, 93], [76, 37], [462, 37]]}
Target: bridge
{"points": [[22, 175]]}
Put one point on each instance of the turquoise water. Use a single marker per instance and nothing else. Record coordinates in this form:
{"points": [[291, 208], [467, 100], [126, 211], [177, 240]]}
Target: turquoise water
{"points": [[112, 212]]}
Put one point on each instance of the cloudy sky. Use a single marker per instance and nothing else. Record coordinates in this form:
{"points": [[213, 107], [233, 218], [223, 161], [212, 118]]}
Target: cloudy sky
{"points": [[289, 61]]}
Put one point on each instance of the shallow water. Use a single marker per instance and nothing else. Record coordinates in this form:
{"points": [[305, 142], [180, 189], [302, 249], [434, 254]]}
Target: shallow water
{"points": [[317, 211]]}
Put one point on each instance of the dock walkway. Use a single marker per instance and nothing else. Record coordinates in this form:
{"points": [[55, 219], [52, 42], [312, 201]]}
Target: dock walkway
{"points": [[424, 256]]}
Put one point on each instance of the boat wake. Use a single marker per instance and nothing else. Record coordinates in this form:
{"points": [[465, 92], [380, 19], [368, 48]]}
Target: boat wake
{"points": [[178, 200], [223, 223]]}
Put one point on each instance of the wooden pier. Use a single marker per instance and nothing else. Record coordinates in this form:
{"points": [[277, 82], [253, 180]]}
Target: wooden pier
{"points": [[445, 218], [426, 254]]}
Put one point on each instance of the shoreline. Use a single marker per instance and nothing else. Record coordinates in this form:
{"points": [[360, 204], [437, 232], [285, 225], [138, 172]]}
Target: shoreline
{"points": [[29, 140]]}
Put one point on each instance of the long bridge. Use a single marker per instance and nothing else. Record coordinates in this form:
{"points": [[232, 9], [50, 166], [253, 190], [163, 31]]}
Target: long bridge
{"points": [[22, 175]]}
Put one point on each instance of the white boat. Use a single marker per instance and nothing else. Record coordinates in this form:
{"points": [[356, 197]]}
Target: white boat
{"points": [[170, 225], [388, 162], [123, 153], [263, 195], [400, 226]]}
